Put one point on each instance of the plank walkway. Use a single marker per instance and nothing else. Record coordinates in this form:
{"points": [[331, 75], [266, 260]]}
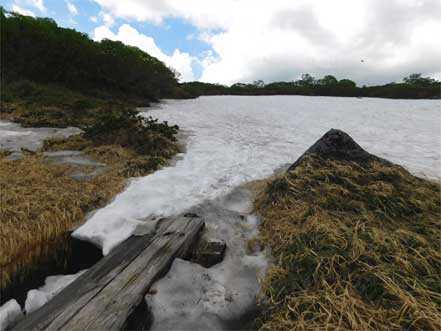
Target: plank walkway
{"points": [[104, 297]]}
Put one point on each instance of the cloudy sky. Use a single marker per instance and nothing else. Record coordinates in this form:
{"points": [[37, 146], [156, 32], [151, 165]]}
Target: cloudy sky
{"points": [[227, 41]]}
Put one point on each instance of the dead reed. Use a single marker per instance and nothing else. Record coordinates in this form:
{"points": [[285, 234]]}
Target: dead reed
{"points": [[39, 202]]}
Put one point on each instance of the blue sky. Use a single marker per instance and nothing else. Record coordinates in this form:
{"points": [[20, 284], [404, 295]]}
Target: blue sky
{"points": [[229, 41], [171, 34]]}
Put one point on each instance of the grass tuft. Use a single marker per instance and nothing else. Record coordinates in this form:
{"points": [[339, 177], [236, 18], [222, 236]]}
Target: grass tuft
{"points": [[356, 247]]}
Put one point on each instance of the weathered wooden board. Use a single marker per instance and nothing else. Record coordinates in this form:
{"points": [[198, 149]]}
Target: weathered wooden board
{"points": [[105, 296]]}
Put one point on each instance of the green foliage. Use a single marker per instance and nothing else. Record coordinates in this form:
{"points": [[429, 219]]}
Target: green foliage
{"points": [[37, 49], [259, 83], [195, 89], [328, 80], [124, 127], [306, 80], [417, 79], [346, 83]]}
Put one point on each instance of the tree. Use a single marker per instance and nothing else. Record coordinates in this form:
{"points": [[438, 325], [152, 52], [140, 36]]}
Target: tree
{"points": [[328, 80], [37, 49], [177, 74], [306, 80], [346, 83], [417, 79], [259, 83]]}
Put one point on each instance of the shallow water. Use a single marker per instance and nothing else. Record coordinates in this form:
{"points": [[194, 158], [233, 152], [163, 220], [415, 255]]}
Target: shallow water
{"points": [[235, 139], [13, 136]]}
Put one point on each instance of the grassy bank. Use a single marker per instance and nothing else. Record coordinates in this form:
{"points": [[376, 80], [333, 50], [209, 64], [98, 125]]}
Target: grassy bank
{"points": [[355, 246], [40, 199], [43, 105], [57, 77]]}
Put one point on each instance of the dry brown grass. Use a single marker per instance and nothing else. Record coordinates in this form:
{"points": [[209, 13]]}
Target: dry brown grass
{"points": [[73, 143], [356, 247], [39, 202]]}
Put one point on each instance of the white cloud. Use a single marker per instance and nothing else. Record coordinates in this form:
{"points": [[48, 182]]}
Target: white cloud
{"points": [[22, 11], [107, 18], [280, 39], [39, 4], [94, 19], [71, 7], [181, 62], [201, 13]]}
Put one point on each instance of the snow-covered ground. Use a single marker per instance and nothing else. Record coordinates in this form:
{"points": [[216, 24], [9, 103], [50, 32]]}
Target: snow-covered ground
{"points": [[239, 139], [10, 313], [234, 140], [224, 296]]}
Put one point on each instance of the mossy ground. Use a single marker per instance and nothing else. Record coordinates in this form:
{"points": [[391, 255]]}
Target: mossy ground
{"points": [[355, 247], [38, 105]]}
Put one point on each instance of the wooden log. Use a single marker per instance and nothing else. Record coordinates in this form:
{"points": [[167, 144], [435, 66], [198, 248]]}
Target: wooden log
{"points": [[104, 297]]}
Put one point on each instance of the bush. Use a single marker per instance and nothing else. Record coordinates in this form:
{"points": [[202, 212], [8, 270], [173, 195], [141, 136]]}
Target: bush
{"points": [[125, 127]]}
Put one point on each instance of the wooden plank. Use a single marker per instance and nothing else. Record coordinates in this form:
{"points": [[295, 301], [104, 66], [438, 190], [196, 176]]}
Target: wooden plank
{"points": [[86, 286], [106, 295]]}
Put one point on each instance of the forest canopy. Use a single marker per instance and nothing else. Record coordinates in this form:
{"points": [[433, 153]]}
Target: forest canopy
{"points": [[37, 49]]}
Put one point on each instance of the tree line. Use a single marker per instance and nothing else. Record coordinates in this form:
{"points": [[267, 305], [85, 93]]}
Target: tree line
{"points": [[414, 86], [37, 49]]}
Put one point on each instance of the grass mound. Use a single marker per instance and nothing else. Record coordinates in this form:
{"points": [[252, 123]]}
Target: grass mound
{"points": [[40, 201], [355, 245]]}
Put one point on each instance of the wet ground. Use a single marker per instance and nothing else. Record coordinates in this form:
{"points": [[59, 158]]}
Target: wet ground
{"points": [[224, 296], [14, 137], [16, 140]]}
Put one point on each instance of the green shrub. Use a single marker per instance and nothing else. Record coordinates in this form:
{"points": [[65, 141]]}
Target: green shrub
{"points": [[125, 127]]}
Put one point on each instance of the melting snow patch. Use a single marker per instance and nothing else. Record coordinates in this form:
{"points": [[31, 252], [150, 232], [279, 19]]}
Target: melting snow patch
{"points": [[192, 297], [13, 137], [239, 139], [224, 296], [53, 285], [109, 231], [10, 313]]}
